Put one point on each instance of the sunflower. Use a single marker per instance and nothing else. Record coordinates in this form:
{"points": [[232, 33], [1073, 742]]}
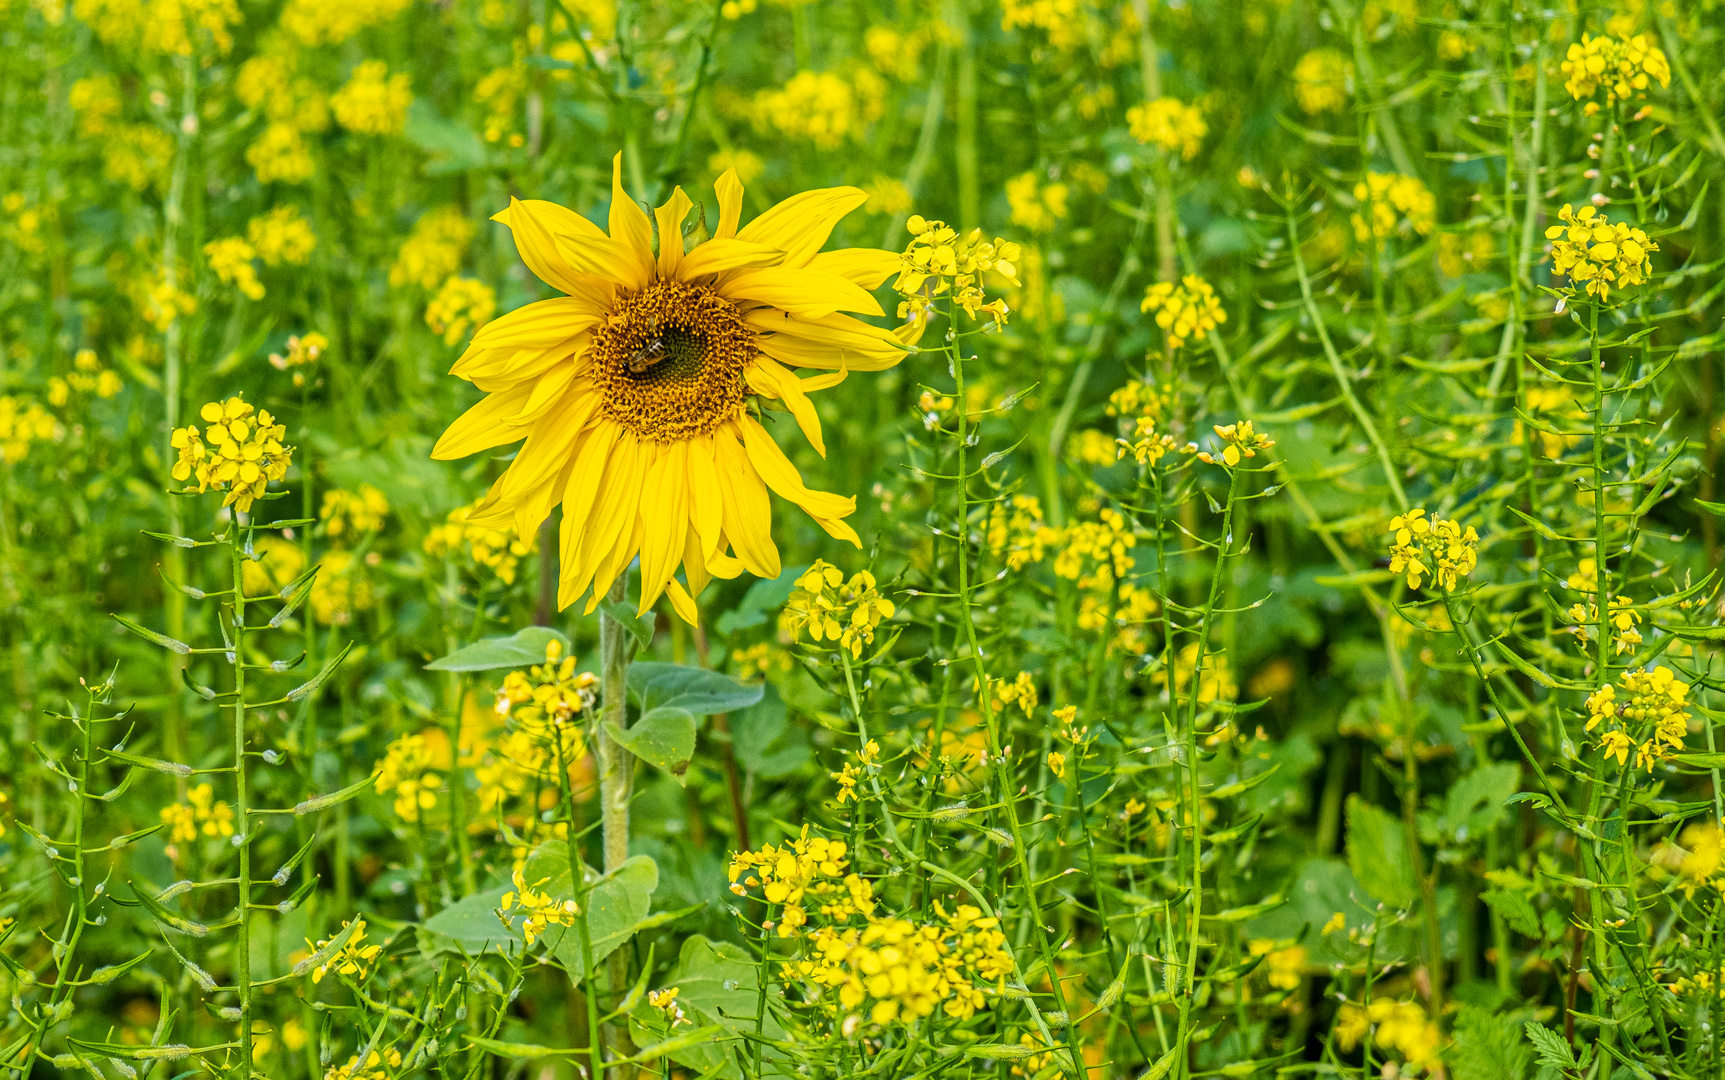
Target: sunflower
{"points": [[639, 391]]}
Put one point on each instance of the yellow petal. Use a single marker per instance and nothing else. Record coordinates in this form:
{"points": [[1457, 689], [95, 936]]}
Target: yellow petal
{"points": [[706, 507], [538, 248], [537, 325], [730, 191], [664, 519], [717, 256], [780, 475], [682, 603], [630, 228], [801, 224], [768, 378], [867, 267], [483, 426], [747, 509], [671, 217], [799, 291]]}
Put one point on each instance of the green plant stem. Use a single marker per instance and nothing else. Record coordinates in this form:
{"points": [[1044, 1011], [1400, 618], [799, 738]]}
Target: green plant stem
{"points": [[1195, 901], [237, 531], [997, 755], [583, 896], [1344, 381], [616, 771]]}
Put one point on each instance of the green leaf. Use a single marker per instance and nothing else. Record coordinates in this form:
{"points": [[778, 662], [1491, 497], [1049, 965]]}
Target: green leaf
{"points": [[1550, 1047], [469, 926], [764, 740], [762, 597], [449, 147], [640, 627], [716, 986], [664, 737], [1516, 910], [1475, 803], [616, 902], [1703, 759], [696, 691], [524, 648], [1378, 854], [1488, 1047]]}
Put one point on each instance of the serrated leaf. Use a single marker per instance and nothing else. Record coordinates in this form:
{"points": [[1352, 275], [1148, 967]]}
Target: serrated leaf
{"points": [[1378, 854], [1549, 1046]]}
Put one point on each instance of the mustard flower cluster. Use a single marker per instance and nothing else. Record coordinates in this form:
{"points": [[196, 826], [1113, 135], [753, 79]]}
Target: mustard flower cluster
{"points": [[1621, 616], [462, 305], [240, 451], [282, 236], [346, 512], [1019, 691], [538, 911], [432, 252], [352, 959], [1398, 1027], [231, 260], [1323, 81], [500, 552], [373, 102], [200, 813], [666, 1002], [302, 351], [377, 1066], [908, 971], [1184, 311], [1239, 441], [22, 423], [808, 872], [1035, 205], [826, 108], [1016, 532], [833, 609], [939, 262], [1170, 124], [87, 376], [1432, 545], [1215, 683], [1108, 541], [1646, 710], [1623, 67], [1598, 254], [162, 27], [331, 22], [413, 768], [139, 156], [868, 759], [550, 702], [1701, 857], [1395, 203]]}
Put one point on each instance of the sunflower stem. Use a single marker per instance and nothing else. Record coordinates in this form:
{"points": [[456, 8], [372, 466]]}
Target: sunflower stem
{"points": [[617, 768]]}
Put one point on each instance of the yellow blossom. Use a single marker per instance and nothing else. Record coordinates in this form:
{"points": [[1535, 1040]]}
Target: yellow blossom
{"points": [[1598, 254], [1169, 123], [1432, 545], [1036, 206], [231, 259], [1623, 67], [461, 306], [240, 451], [352, 959], [1396, 203], [373, 102], [1323, 81]]}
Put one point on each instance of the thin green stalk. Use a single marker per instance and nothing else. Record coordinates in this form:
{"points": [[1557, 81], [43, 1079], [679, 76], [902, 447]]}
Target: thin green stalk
{"points": [[237, 531], [1195, 900], [1344, 381]]}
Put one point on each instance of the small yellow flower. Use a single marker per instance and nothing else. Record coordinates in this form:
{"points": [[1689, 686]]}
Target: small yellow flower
{"points": [[1598, 255], [352, 959], [1184, 311], [1057, 764], [240, 451], [1432, 545], [1169, 124]]}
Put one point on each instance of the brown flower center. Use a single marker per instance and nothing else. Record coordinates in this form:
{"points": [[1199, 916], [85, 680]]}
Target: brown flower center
{"points": [[669, 361]]}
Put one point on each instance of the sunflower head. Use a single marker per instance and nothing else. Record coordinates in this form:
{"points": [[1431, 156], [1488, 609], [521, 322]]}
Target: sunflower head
{"points": [[636, 390]]}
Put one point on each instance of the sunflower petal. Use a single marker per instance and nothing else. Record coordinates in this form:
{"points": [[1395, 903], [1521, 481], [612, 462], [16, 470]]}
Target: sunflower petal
{"points": [[801, 224], [718, 255], [706, 505], [542, 323], [694, 558], [484, 426], [799, 291], [747, 509], [868, 267], [665, 520], [629, 227], [780, 475], [682, 603], [539, 249], [671, 217], [768, 378], [729, 189]]}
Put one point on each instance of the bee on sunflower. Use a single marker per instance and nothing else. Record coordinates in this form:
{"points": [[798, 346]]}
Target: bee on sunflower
{"points": [[633, 390]]}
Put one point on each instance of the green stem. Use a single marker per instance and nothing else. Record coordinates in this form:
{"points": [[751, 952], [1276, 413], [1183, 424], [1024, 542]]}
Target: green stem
{"points": [[242, 806]]}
